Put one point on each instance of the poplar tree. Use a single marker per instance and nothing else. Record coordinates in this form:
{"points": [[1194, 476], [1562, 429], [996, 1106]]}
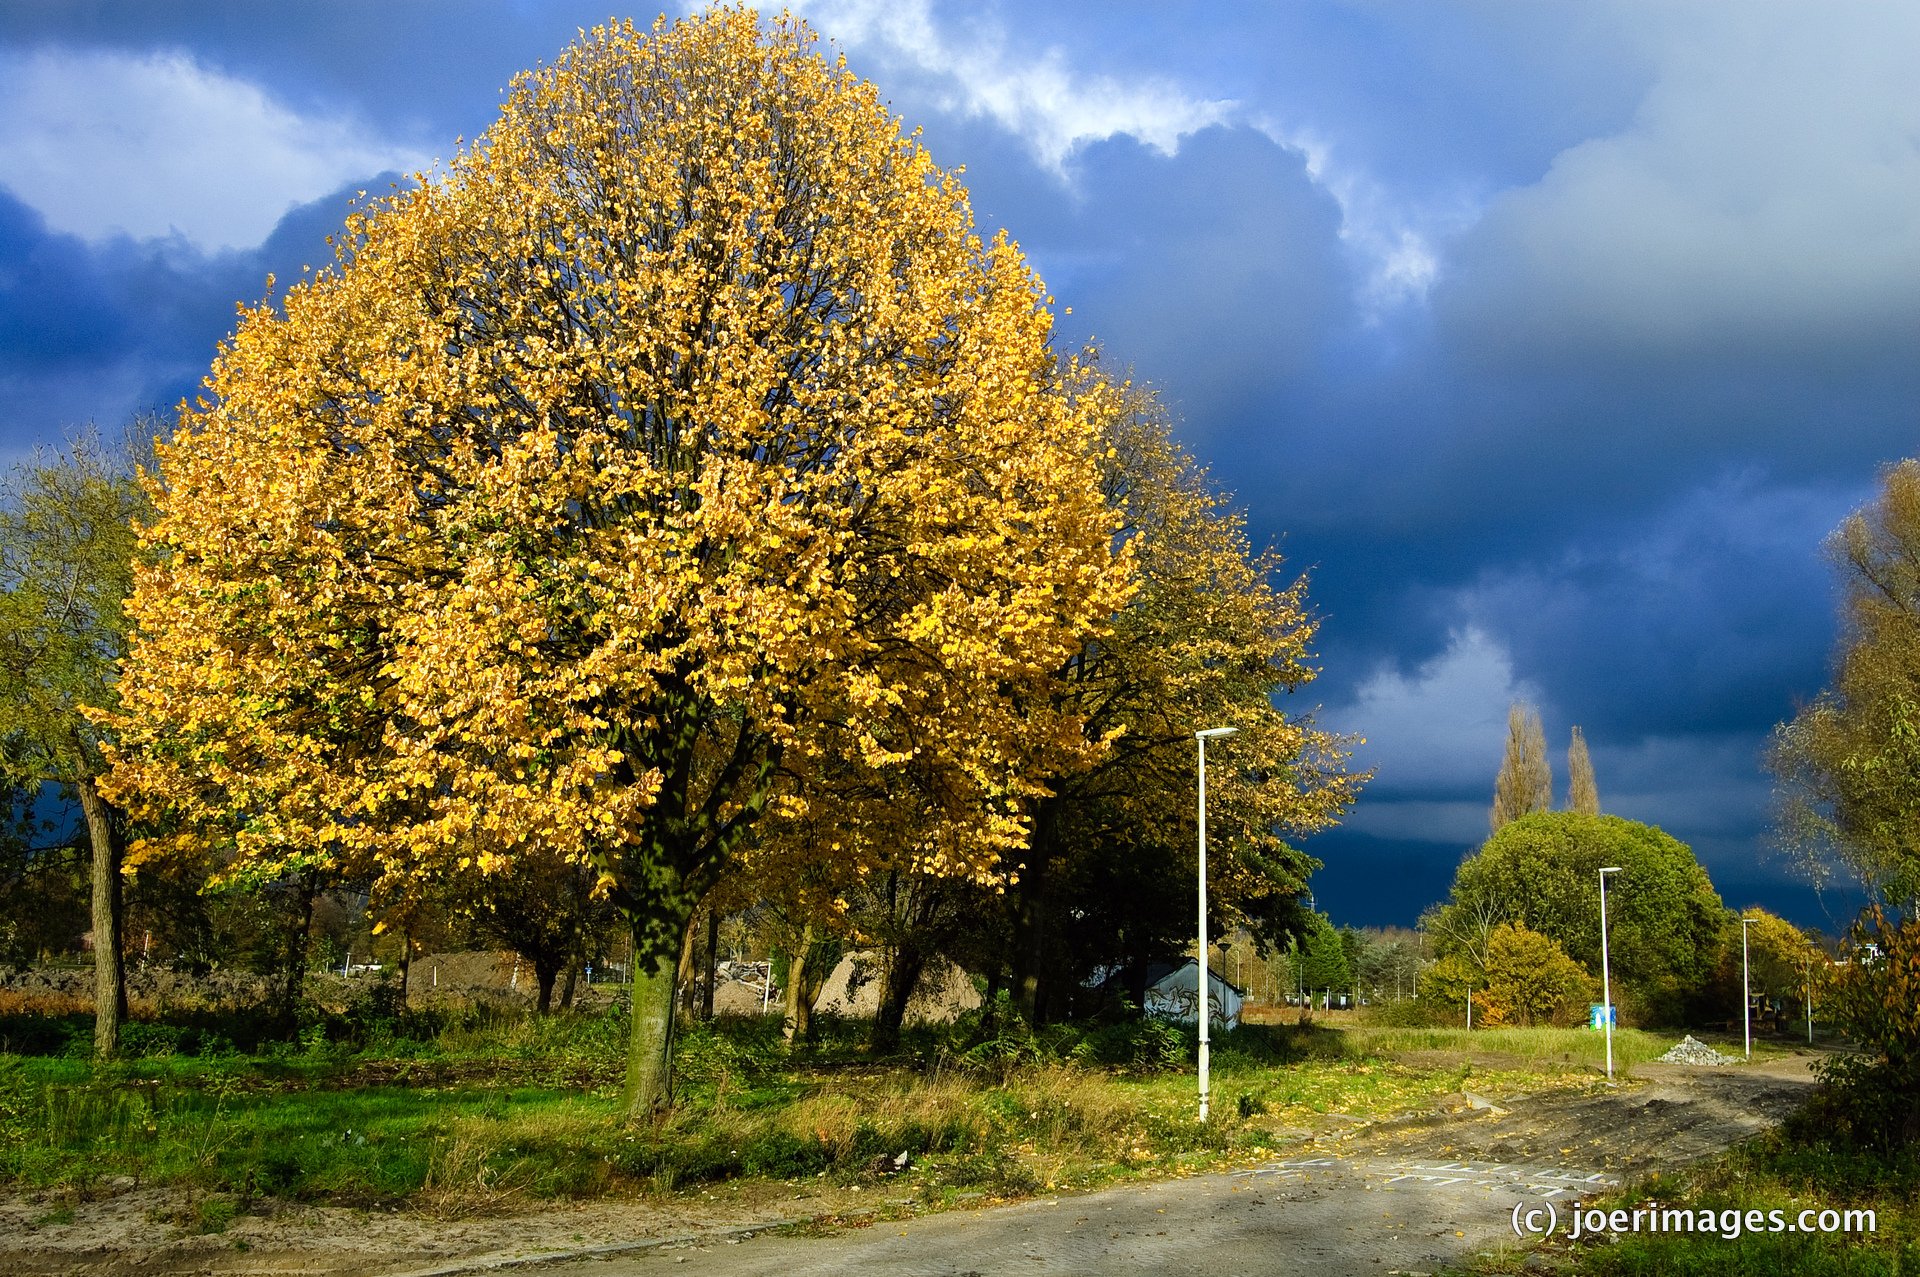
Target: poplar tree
{"points": [[1525, 782], [1583, 795]]}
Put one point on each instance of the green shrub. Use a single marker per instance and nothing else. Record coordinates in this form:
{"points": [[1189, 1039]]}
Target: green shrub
{"points": [[1144, 1045], [783, 1155], [1873, 1096]]}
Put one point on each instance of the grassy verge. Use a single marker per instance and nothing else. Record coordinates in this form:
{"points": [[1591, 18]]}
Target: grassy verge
{"points": [[455, 1116], [1745, 1211], [1530, 1048]]}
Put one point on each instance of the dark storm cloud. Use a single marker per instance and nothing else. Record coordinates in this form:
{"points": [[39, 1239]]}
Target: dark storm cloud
{"points": [[100, 332], [1554, 342], [56, 309]]}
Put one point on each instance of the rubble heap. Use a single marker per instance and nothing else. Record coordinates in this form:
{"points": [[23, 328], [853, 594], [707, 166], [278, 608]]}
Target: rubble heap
{"points": [[1690, 1050]]}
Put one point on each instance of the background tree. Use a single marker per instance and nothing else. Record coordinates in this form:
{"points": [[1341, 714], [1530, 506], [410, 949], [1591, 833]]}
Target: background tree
{"points": [[1391, 962], [1529, 980], [1213, 634], [1665, 921], [66, 551], [1847, 767], [1778, 958], [682, 435], [43, 879], [1319, 958], [1875, 1003], [1525, 781], [1583, 795], [547, 911]]}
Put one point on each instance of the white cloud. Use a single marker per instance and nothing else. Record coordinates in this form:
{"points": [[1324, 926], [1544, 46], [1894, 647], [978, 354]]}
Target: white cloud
{"points": [[1770, 180], [1394, 239], [1040, 98], [1435, 732], [1055, 110], [104, 143]]}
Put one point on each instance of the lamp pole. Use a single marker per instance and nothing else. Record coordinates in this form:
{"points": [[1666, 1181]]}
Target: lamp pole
{"points": [[1606, 976], [1809, 1000], [1203, 1003], [1746, 991]]}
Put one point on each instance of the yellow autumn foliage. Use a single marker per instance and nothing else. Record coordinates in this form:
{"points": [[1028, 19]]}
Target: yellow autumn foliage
{"points": [[682, 434]]}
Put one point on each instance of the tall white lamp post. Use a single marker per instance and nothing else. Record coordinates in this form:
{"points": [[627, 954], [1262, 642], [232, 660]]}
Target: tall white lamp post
{"points": [[1746, 992], [1606, 976], [1204, 1003]]}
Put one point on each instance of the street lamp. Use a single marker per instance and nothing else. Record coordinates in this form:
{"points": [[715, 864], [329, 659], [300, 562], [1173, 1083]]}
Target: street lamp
{"points": [[1809, 999], [1746, 992], [1606, 977], [1204, 1001]]}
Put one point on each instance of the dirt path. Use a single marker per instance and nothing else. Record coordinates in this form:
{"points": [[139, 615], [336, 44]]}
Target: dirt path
{"points": [[1402, 1196]]}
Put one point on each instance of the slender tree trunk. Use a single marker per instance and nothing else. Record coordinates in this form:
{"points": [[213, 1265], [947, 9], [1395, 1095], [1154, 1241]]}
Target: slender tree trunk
{"points": [[797, 1022], [650, 1047], [1029, 919], [684, 971], [296, 973], [406, 963], [711, 965], [1137, 983], [545, 972], [573, 979], [903, 976], [109, 963]]}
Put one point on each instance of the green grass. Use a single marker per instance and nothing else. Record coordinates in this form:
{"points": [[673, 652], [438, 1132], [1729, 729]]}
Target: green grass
{"points": [[1789, 1171], [1536, 1048], [460, 1114]]}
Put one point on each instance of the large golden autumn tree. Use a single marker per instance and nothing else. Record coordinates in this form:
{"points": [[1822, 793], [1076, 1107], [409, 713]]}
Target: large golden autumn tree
{"points": [[682, 436]]}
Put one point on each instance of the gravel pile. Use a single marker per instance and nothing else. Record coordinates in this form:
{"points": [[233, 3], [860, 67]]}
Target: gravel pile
{"points": [[1690, 1050]]}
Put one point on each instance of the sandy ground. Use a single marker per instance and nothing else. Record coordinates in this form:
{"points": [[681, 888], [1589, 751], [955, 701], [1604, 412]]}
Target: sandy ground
{"points": [[1449, 1172]]}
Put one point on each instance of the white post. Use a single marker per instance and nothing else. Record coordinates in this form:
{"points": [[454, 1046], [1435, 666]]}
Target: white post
{"points": [[1469, 1006], [1203, 1003], [1200, 970], [1809, 1004], [1606, 975], [1746, 992]]}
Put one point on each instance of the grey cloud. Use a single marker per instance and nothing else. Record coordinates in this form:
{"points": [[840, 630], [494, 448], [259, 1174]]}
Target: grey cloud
{"points": [[1765, 196]]}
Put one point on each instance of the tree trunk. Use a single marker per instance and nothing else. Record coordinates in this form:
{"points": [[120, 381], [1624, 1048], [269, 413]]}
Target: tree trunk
{"points": [[797, 1022], [296, 972], [1029, 919], [1137, 984], [545, 973], [684, 970], [649, 1087], [711, 965], [109, 964], [573, 978], [903, 976], [406, 963], [990, 1005]]}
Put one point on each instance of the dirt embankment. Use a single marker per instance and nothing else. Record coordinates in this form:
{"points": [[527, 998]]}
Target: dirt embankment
{"points": [[1668, 1116]]}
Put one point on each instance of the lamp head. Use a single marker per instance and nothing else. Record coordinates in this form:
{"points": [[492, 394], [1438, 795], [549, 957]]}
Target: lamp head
{"points": [[1611, 869], [1216, 731]]}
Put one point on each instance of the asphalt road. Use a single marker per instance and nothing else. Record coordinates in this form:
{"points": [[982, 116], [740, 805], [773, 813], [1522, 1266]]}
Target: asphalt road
{"points": [[1324, 1215]]}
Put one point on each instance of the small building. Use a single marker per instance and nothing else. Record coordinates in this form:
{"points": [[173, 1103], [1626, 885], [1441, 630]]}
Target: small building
{"points": [[1172, 994]]}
